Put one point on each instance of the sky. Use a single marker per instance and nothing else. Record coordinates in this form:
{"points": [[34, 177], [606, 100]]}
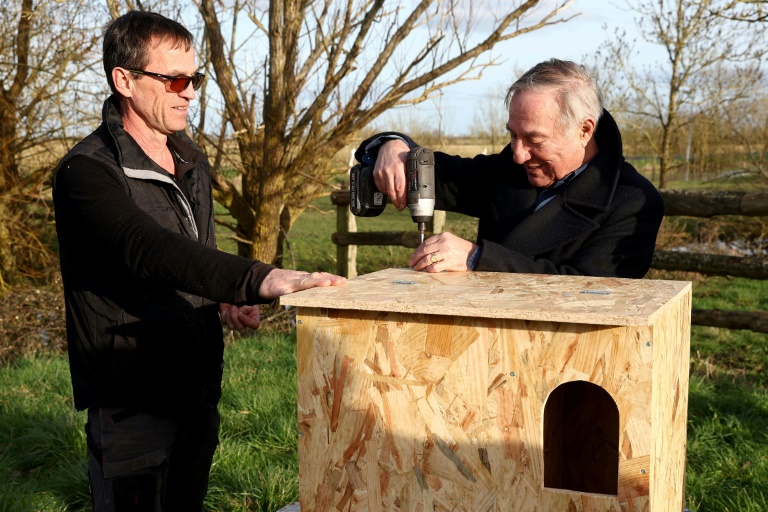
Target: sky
{"points": [[572, 40]]}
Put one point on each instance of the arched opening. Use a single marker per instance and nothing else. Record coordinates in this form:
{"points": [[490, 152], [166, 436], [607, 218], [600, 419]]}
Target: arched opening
{"points": [[581, 439]]}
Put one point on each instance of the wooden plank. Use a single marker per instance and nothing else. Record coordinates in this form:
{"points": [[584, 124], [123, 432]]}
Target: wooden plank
{"points": [[711, 264], [708, 203], [403, 238], [756, 321], [576, 299]]}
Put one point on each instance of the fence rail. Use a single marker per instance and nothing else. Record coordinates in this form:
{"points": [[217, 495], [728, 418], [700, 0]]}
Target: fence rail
{"points": [[677, 203]]}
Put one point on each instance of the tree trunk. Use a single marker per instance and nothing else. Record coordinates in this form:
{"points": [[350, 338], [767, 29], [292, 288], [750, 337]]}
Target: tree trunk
{"points": [[664, 156], [264, 231], [8, 269]]}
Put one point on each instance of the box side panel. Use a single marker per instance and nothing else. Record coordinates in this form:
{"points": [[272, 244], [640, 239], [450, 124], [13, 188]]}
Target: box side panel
{"points": [[671, 355]]}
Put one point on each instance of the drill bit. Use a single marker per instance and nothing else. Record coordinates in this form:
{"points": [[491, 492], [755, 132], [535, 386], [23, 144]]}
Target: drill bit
{"points": [[422, 228]]}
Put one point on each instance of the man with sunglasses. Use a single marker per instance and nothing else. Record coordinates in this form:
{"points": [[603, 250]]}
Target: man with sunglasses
{"points": [[146, 290]]}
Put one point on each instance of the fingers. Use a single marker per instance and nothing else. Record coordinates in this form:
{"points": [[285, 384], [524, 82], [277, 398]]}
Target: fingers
{"points": [[421, 257], [318, 279], [280, 282], [240, 318], [441, 253], [389, 171]]}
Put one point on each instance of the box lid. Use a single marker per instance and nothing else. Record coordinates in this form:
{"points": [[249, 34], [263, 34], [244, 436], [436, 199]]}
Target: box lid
{"points": [[574, 299]]}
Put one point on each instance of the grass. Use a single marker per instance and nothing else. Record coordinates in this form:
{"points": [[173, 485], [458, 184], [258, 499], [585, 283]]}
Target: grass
{"points": [[42, 443], [42, 440]]}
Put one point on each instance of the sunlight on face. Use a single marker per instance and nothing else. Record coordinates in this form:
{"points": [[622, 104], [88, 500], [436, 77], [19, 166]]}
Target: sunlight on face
{"points": [[164, 112], [546, 150]]}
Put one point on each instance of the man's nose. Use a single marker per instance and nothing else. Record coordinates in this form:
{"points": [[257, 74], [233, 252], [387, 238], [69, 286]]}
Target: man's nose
{"points": [[189, 92], [520, 153]]}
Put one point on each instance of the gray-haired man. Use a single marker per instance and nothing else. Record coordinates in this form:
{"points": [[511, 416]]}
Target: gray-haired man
{"points": [[559, 199]]}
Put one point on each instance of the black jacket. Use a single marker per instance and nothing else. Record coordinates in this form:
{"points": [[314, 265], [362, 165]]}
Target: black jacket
{"points": [[604, 223], [142, 277]]}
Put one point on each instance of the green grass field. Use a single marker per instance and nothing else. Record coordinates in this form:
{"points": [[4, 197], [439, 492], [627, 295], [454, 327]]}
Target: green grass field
{"points": [[42, 443]]}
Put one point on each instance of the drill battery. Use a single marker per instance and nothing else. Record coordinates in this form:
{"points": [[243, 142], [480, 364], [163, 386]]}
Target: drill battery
{"points": [[365, 200]]}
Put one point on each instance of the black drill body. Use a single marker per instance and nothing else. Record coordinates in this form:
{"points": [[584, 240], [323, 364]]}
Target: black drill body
{"points": [[367, 201]]}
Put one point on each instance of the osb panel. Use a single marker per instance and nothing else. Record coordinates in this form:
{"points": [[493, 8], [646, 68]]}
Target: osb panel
{"points": [[427, 412], [671, 335], [572, 299]]}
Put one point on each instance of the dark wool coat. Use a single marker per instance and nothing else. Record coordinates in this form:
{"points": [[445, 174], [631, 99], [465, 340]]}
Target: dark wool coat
{"points": [[141, 273], [604, 222]]}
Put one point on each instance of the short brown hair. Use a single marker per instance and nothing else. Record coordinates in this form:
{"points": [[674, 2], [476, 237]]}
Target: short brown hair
{"points": [[127, 40]]}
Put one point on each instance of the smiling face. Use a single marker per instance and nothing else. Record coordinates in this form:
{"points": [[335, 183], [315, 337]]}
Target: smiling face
{"points": [[151, 110], [547, 150]]}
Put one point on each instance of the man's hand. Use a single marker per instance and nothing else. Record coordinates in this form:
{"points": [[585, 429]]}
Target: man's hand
{"points": [[280, 282], [442, 253], [238, 318], [389, 171]]}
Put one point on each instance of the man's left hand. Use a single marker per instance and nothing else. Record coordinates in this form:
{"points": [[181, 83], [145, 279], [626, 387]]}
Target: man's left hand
{"points": [[442, 253], [238, 318]]}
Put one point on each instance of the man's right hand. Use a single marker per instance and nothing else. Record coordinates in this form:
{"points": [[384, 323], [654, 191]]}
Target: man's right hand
{"points": [[389, 171], [281, 282]]}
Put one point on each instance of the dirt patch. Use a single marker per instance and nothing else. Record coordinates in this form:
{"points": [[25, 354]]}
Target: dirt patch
{"points": [[31, 320]]}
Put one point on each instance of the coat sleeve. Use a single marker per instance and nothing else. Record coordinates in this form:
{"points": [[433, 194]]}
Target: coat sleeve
{"points": [[97, 220]]}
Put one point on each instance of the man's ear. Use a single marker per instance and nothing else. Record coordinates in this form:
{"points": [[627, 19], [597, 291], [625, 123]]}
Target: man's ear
{"points": [[587, 131], [123, 82]]}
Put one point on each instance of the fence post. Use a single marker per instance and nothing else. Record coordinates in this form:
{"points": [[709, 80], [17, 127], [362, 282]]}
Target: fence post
{"points": [[346, 255], [437, 224]]}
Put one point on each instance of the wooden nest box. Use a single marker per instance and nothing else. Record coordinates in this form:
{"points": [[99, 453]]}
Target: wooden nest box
{"points": [[492, 392]]}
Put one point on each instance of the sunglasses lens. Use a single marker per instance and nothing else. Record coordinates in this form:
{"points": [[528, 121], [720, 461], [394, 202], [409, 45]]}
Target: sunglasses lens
{"points": [[197, 80], [179, 83]]}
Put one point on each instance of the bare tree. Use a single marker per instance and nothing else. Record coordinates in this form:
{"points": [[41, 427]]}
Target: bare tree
{"points": [[327, 70], [46, 64], [490, 118], [703, 52], [747, 128], [751, 11]]}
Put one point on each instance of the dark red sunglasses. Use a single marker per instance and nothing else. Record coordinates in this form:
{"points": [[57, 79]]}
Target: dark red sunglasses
{"points": [[177, 83]]}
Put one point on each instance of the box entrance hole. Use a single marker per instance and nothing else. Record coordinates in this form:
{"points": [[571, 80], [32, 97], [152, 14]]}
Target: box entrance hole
{"points": [[581, 439]]}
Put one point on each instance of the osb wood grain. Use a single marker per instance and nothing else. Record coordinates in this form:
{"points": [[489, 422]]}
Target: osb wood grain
{"points": [[572, 299], [671, 341], [423, 412]]}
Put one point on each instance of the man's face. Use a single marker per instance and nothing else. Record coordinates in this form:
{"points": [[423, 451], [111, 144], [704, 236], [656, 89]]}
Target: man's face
{"points": [[164, 112], [547, 151]]}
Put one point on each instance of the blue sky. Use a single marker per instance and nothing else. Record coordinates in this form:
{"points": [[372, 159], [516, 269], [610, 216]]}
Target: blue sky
{"points": [[572, 40]]}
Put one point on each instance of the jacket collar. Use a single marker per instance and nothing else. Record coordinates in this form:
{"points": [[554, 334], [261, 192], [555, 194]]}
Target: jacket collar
{"points": [[594, 188]]}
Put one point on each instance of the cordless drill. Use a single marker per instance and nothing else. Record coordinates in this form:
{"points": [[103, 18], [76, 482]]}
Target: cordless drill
{"points": [[365, 199], [420, 198]]}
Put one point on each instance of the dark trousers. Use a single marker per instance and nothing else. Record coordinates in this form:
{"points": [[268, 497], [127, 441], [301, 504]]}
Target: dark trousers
{"points": [[144, 462]]}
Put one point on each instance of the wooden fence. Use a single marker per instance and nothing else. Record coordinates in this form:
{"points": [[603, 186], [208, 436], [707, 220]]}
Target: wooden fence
{"points": [[677, 203]]}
